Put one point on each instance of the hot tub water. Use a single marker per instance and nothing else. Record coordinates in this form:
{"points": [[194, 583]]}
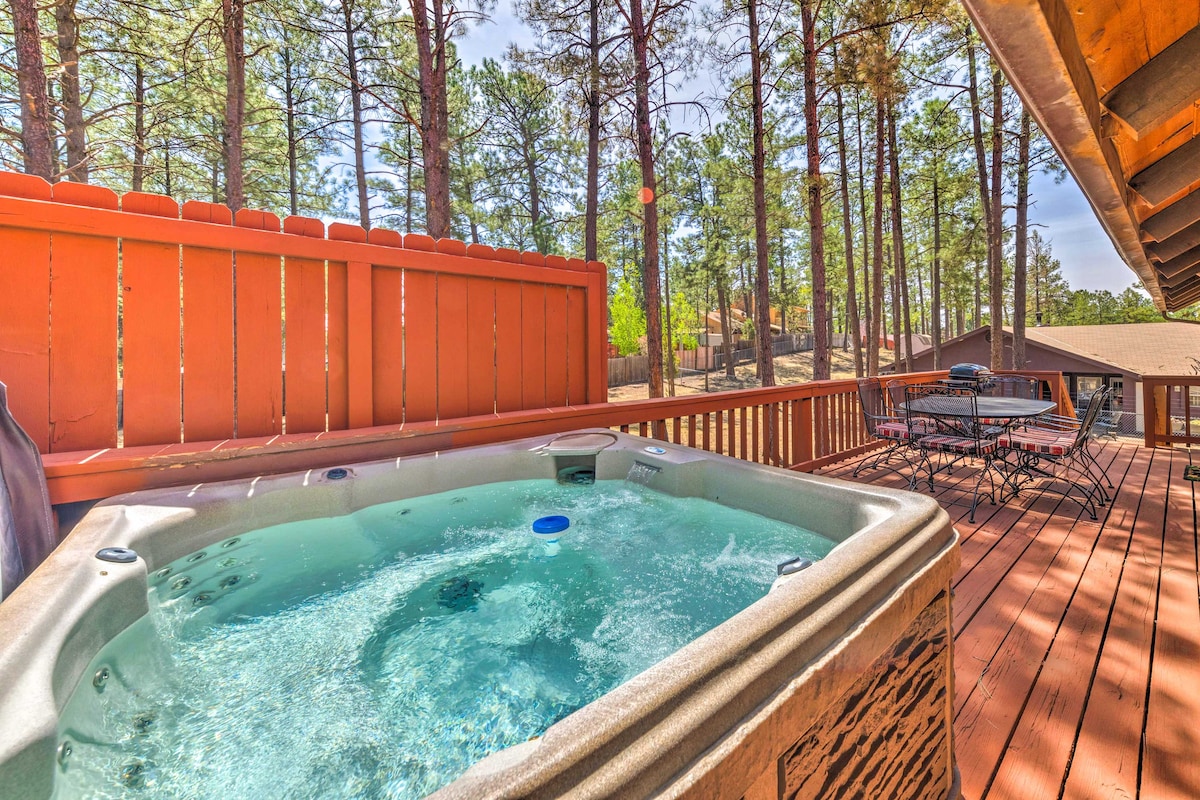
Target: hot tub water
{"points": [[381, 653]]}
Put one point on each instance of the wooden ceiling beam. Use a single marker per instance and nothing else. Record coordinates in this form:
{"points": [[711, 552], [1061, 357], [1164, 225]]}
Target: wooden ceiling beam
{"points": [[1170, 175], [1174, 218], [1176, 245], [1160, 89], [1180, 263], [1182, 282], [1035, 43], [1181, 301]]}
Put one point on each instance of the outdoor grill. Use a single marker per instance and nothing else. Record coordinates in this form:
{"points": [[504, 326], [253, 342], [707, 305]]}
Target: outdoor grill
{"points": [[969, 376]]}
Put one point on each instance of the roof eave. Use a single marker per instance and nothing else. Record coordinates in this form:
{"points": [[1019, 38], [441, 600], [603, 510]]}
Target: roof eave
{"points": [[1033, 43]]}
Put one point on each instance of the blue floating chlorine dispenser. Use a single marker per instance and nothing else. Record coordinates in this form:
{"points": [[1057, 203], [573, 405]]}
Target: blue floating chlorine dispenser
{"points": [[548, 529]]}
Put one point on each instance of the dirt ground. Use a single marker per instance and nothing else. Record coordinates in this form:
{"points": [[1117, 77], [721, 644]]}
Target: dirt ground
{"points": [[792, 368]]}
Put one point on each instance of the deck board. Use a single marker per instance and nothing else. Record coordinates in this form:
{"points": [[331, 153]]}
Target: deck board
{"points": [[1077, 642]]}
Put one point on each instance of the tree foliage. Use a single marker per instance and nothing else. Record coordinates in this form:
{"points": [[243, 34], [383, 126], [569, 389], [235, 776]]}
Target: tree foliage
{"points": [[856, 165]]}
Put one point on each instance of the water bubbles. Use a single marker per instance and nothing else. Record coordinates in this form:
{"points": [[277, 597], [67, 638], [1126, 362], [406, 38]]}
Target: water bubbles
{"points": [[181, 583], [226, 563]]}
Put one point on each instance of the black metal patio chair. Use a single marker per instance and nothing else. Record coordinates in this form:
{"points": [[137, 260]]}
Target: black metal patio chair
{"points": [[1022, 386], [1062, 442], [882, 424], [960, 436]]}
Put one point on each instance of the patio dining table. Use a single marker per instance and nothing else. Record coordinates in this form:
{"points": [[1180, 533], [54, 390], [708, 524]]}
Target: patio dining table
{"points": [[1008, 409], [999, 413]]}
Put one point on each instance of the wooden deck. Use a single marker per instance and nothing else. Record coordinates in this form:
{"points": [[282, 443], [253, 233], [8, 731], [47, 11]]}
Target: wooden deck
{"points": [[1077, 643]]}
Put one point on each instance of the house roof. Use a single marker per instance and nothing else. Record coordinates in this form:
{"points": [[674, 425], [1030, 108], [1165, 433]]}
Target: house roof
{"points": [[1152, 348], [1148, 348], [1114, 85]]}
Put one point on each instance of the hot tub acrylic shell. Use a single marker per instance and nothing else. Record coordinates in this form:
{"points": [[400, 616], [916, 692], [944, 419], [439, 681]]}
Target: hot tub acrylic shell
{"points": [[721, 717]]}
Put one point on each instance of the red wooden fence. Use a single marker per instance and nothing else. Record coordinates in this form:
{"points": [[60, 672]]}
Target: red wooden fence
{"points": [[191, 324]]}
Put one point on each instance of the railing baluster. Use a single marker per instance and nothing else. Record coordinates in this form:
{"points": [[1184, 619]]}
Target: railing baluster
{"points": [[754, 413], [742, 433]]}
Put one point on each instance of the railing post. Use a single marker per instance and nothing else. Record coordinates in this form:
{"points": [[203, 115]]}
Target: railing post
{"points": [[1155, 408], [597, 332]]}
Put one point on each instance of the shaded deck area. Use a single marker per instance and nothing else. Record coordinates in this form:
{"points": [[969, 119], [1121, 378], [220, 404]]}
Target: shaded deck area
{"points": [[1077, 642]]}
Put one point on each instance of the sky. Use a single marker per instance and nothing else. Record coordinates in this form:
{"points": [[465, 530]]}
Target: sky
{"points": [[1089, 258]]}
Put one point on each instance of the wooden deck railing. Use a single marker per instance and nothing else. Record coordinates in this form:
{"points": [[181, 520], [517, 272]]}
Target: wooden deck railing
{"points": [[1170, 415], [130, 321], [803, 426]]}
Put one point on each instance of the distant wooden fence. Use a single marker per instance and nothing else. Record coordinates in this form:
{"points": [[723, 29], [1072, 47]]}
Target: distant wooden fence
{"points": [[180, 322], [636, 369]]}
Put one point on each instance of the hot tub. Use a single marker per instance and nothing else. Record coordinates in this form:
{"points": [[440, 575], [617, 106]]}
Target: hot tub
{"points": [[836, 681]]}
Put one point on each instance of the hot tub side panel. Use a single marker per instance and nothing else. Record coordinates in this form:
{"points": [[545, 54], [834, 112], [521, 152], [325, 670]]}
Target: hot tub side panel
{"points": [[871, 718], [889, 734]]}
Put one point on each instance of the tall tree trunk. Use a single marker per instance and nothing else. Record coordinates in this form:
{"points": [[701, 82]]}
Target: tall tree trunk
{"points": [[55, 166], [233, 36], [935, 290], [74, 125], [726, 328], [897, 358], [762, 272], [816, 222], [996, 229], [31, 83], [290, 101], [877, 261], [848, 233], [783, 317], [645, 146], [356, 118], [903, 346], [1022, 244], [980, 161], [408, 179], [166, 150], [537, 225], [140, 147], [435, 136], [591, 211], [868, 304], [977, 319], [924, 326]]}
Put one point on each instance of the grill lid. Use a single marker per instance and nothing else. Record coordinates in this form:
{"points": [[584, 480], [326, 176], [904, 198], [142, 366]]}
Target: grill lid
{"points": [[969, 371]]}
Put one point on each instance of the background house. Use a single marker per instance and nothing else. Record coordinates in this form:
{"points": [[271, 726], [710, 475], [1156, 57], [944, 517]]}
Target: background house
{"points": [[1090, 356]]}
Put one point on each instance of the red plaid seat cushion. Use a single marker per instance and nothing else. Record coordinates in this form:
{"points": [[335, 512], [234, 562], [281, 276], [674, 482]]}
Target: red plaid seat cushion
{"points": [[959, 444], [1045, 442], [892, 430], [993, 421]]}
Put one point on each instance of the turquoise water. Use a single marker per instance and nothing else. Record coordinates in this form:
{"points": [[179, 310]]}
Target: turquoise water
{"points": [[380, 654]]}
